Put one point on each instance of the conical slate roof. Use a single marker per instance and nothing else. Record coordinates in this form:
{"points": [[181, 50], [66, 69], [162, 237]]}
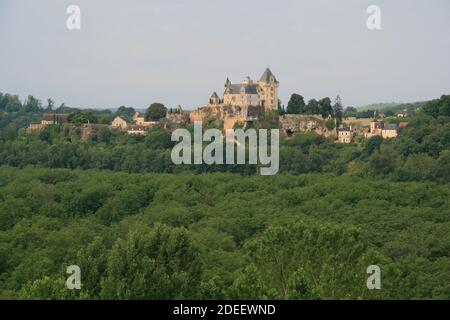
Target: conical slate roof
{"points": [[267, 76]]}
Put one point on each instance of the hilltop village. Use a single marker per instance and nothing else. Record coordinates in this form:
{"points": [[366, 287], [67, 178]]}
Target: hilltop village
{"points": [[243, 105]]}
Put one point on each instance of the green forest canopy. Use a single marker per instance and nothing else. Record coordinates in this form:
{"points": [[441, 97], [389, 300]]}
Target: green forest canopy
{"points": [[221, 235]]}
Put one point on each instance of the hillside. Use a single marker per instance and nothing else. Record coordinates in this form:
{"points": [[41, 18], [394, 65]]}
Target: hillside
{"points": [[392, 106]]}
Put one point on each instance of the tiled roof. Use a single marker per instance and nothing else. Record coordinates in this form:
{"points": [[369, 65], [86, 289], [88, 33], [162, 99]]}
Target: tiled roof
{"points": [[124, 119], [236, 89], [390, 126]]}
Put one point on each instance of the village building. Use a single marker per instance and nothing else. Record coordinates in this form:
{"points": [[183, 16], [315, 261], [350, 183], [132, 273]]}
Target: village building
{"points": [[345, 134], [379, 128], [405, 112], [137, 130], [389, 130], [137, 127], [139, 119], [49, 119], [55, 118], [121, 123]]}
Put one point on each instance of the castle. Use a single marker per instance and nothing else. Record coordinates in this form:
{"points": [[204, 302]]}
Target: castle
{"points": [[241, 101], [263, 93]]}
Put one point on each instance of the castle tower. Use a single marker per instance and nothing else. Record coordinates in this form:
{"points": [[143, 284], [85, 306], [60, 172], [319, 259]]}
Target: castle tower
{"points": [[247, 81], [269, 94], [374, 125], [214, 100]]}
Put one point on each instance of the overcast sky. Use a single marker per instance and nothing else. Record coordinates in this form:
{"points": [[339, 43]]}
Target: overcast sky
{"points": [[178, 52]]}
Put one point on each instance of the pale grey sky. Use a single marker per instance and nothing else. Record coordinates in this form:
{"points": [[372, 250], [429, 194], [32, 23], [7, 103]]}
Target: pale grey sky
{"points": [[177, 51]]}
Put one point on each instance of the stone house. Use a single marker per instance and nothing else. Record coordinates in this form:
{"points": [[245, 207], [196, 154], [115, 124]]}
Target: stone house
{"points": [[379, 128], [121, 123], [390, 130], [345, 134], [48, 119], [139, 119]]}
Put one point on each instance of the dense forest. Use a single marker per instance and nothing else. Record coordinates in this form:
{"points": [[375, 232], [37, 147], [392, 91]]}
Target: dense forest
{"points": [[140, 227], [221, 235]]}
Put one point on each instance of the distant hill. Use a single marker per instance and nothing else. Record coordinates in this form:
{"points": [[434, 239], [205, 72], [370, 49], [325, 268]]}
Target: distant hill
{"points": [[391, 106], [379, 106]]}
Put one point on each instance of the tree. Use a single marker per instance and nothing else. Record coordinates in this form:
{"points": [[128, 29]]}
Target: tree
{"points": [[296, 104], [158, 263], [438, 107], [325, 108], [249, 286], [384, 161], [330, 124], [93, 261], [85, 116], [13, 103], [105, 118], [49, 289], [155, 112], [158, 138], [313, 107], [373, 144], [65, 109], [126, 112], [281, 108], [443, 167], [50, 105], [310, 261], [366, 114], [104, 135], [32, 104], [338, 109], [389, 113], [350, 112], [417, 167]]}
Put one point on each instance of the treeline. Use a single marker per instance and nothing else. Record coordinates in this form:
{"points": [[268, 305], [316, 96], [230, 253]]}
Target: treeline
{"points": [[16, 114], [324, 107], [220, 236], [420, 153]]}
